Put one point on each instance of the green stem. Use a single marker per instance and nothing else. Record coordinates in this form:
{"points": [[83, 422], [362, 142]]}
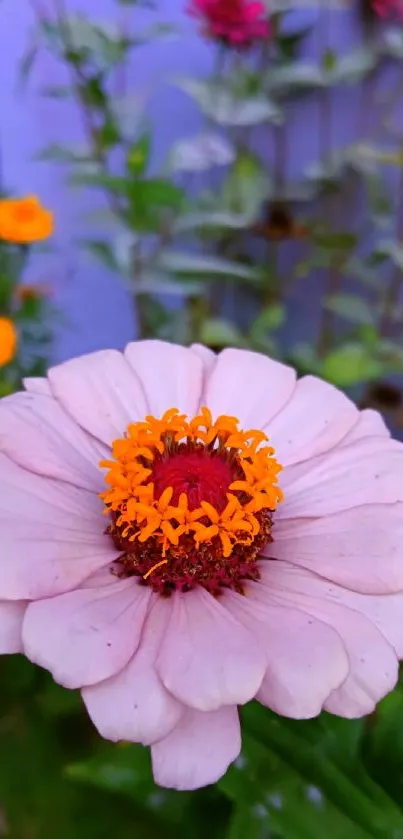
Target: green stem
{"points": [[380, 822], [334, 281], [139, 301], [332, 276], [392, 294]]}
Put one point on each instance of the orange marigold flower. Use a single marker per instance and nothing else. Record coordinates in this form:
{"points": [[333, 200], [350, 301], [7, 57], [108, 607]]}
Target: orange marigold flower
{"points": [[8, 341], [24, 220]]}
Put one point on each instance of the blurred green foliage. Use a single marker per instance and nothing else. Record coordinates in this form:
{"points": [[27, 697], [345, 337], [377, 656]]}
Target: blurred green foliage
{"points": [[31, 309], [293, 780], [221, 220]]}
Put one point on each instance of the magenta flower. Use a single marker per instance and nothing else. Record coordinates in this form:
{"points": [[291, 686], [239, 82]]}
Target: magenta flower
{"points": [[150, 558], [237, 23], [388, 8]]}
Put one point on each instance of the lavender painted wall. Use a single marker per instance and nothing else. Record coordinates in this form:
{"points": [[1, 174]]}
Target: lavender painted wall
{"points": [[95, 307]]}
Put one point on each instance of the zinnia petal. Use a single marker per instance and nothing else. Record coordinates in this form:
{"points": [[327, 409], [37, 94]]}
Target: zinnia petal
{"points": [[199, 750], [11, 617], [51, 534], [207, 357], [370, 424], [134, 705], [385, 611], [367, 472], [373, 666], [306, 659], [171, 376], [332, 415], [250, 386], [208, 658], [87, 635], [37, 434], [101, 392], [361, 548], [166, 647], [35, 384]]}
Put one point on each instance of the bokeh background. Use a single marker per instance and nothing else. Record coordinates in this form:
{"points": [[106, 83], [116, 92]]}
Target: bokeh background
{"points": [[281, 231]]}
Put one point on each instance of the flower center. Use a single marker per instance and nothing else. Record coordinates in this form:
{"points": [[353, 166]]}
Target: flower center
{"points": [[190, 501], [199, 474]]}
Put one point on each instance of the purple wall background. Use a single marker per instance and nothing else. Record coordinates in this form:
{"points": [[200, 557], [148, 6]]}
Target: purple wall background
{"points": [[95, 308]]}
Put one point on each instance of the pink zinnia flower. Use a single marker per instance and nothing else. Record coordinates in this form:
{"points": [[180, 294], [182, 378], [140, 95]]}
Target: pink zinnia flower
{"points": [[238, 23], [388, 8], [188, 582]]}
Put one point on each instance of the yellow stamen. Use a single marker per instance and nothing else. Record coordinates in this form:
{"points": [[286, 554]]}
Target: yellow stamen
{"points": [[154, 568]]}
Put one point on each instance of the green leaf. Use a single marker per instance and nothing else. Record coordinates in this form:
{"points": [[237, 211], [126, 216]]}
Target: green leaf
{"points": [[270, 319], [391, 354], [65, 154], [128, 112], [329, 60], [351, 364], [366, 806], [246, 187], [218, 220], [288, 43], [84, 43], [155, 32], [392, 42], [149, 200], [392, 249], [111, 183], [342, 241], [248, 822], [217, 332], [352, 307], [125, 770], [93, 93], [103, 251], [200, 153], [276, 797], [383, 745], [108, 134], [138, 155], [28, 60], [293, 78], [181, 262], [158, 191], [355, 66], [229, 109]]}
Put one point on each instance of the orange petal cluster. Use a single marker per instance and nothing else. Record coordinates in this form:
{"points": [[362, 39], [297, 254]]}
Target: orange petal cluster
{"points": [[8, 341], [131, 495], [24, 220]]}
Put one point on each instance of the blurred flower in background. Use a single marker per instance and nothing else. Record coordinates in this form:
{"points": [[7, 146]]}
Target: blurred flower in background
{"points": [[238, 23], [24, 220], [8, 341], [27, 292], [25, 334], [386, 8]]}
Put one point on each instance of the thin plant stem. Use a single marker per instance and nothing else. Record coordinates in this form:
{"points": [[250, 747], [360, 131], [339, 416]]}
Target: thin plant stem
{"points": [[280, 159], [273, 287], [121, 79], [333, 277], [392, 294], [139, 301], [78, 81]]}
